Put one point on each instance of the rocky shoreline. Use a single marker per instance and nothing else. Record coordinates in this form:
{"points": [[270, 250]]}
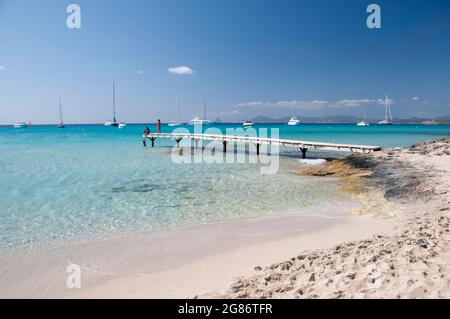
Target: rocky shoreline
{"points": [[411, 262]]}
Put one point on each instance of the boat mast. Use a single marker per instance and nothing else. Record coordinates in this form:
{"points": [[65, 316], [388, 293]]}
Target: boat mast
{"points": [[386, 109], [114, 102], [204, 110], [60, 112], [176, 108], [390, 114]]}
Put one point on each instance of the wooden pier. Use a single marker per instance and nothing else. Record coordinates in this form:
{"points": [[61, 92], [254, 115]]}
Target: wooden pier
{"points": [[258, 141]]}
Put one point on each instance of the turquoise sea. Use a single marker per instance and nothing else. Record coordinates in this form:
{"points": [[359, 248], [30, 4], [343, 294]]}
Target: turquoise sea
{"points": [[87, 181]]}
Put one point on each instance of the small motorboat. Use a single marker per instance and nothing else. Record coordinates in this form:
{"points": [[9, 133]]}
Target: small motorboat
{"points": [[122, 125], [248, 124], [21, 124]]}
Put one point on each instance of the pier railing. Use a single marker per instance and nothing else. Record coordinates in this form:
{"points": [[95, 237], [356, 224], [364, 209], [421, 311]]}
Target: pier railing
{"points": [[302, 145]]}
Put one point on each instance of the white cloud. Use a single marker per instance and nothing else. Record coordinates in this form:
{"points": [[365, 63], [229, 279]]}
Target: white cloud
{"points": [[359, 102], [181, 70], [253, 103], [285, 103], [140, 72], [415, 98], [1, 67], [234, 112], [314, 104]]}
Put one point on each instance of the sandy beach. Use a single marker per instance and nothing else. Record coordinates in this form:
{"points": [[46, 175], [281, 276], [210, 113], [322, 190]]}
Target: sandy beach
{"points": [[411, 261], [392, 241]]}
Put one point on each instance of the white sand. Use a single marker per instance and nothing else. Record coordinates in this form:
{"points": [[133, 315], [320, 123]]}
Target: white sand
{"points": [[412, 261]]}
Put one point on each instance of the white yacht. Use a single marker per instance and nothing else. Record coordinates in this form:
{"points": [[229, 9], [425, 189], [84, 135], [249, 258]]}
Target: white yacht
{"points": [[114, 121], [388, 115], [21, 124], [248, 124], [294, 121], [363, 123]]}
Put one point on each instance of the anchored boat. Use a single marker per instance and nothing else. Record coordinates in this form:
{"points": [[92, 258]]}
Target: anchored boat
{"points": [[248, 124], [61, 122], [197, 120], [387, 119], [21, 124], [294, 121], [176, 122], [114, 121]]}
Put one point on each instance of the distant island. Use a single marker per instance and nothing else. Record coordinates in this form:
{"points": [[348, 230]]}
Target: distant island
{"points": [[354, 119]]}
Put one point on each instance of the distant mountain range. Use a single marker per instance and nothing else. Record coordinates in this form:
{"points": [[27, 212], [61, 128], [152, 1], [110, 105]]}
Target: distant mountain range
{"points": [[352, 119]]}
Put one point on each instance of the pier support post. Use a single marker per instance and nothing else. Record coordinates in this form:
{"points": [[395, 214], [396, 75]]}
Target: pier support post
{"points": [[153, 141], [303, 149], [196, 142], [224, 146], [257, 148]]}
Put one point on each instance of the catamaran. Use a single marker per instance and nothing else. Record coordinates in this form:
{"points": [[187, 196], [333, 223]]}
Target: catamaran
{"points": [[114, 121], [197, 120], [61, 122], [294, 121], [176, 122], [387, 120]]}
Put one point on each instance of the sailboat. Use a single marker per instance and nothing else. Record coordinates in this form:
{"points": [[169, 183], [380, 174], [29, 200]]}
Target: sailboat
{"points": [[114, 121], [197, 120], [387, 119], [363, 122], [61, 122], [175, 123]]}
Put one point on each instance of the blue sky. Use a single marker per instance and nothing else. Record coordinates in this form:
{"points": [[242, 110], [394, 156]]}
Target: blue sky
{"points": [[249, 58]]}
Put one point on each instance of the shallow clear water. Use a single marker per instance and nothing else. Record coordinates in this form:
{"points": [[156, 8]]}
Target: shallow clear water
{"points": [[93, 181]]}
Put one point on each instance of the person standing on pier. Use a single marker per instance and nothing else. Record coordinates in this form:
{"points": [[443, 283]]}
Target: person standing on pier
{"points": [[158, 126]]}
